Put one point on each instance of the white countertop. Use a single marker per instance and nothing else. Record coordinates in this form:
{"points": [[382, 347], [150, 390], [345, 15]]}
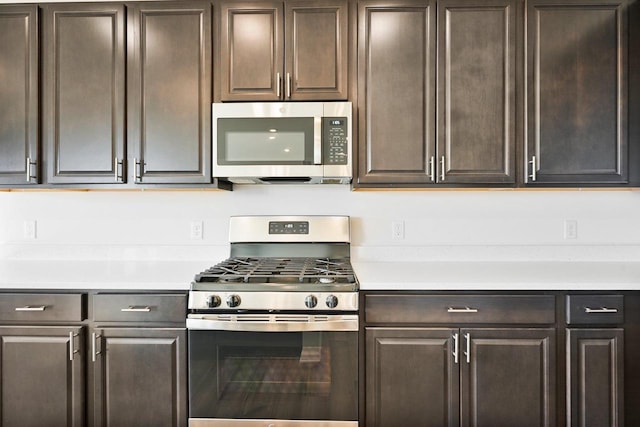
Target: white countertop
{"points": [[394, 276], [391, 276], [90, 274]]}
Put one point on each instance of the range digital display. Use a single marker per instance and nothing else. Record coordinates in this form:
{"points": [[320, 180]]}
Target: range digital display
{"points": [[288, 227]]}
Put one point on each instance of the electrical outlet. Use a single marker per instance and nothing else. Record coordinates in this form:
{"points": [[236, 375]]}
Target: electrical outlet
{"points": [[30, 229], [397, 230], [570, 229], [196, 230]]}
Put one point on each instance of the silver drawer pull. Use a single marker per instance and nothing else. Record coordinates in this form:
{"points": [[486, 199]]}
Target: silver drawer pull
{"points": [[600, 310], [462, 310], [134, 309], [31, 308]]}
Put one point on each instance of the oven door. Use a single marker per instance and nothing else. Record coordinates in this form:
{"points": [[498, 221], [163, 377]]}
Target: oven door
{"points": [[279, 372]]}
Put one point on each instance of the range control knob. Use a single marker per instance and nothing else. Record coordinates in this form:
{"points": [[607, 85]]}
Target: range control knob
{"points": [[311, 301], [213, 301], [332, 301], [233, 300]]}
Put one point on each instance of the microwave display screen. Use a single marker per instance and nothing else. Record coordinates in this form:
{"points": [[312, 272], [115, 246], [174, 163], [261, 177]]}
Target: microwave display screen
{"points": [[272, 141]]}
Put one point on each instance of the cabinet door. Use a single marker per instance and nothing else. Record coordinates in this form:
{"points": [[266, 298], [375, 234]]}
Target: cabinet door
{"points": [[508, 377], [577, 91], [396, 82], [41, 375], [18, 95], [595, 377], [411, 378], [139, 377], [83, 92], [169, 92], [316, 50], [251, 51], [476, 91]]}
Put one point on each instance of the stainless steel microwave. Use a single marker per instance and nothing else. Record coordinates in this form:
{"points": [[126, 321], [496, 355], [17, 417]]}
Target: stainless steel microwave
{"points": [[282, 142]]}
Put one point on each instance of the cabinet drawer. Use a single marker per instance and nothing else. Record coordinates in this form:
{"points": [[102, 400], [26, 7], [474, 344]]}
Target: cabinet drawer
{"points": [[595, 309], [139, 308], [38, 308], [455, 309]]}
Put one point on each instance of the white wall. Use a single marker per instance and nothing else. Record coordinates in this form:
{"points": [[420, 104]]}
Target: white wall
{"points": [[443, 225]]}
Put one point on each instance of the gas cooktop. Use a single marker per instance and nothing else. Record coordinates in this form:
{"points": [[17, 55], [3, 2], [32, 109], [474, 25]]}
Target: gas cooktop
{"points": [[280, 270], [281, 263]]}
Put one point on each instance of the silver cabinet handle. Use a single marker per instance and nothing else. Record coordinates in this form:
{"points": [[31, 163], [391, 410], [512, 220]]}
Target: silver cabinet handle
{"points": [[532, 162], [288, 85], [462, 310], [72, 350], [317, 140], [432, 169], [118, 169], [30, 164], [278, 85], [468, 352], [32, 308], [94, 353], [456, 348], [139, 169], [133, 309], [442, 170], [600, 310]]}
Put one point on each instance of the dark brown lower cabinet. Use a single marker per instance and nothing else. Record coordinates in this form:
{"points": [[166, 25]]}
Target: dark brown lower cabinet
{"points": [[468, 377], [411, 377], [139, 377], [42, 376], [508, 377], [595, 373]]}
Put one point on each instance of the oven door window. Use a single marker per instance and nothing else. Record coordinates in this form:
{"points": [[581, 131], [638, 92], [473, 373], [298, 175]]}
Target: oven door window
{"points": [[286, 375], [266, 141]]}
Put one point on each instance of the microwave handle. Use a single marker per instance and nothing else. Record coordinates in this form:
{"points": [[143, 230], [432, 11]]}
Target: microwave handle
{"points": [[317, 140]]}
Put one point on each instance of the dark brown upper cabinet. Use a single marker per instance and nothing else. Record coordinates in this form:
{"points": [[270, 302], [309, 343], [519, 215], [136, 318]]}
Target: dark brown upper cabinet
{"points": [[469, 136], [169, 92], [577, 92], [19, 157], [476, 133], [396, 91], [83, 112], [292, 51]]}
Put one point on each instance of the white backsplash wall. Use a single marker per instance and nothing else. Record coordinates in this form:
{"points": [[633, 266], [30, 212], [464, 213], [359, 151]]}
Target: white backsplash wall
{"points": [[438, 225]]}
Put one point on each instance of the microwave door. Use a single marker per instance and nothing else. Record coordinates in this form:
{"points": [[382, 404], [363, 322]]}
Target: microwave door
{"points": [[268, 147]]}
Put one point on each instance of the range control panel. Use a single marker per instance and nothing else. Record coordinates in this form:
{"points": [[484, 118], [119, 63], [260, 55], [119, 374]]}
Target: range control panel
{"points": [[288, 227], [335, 143]]}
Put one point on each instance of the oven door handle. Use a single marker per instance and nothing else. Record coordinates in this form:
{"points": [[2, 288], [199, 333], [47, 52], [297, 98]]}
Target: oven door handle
{"points": [[273, 324]]}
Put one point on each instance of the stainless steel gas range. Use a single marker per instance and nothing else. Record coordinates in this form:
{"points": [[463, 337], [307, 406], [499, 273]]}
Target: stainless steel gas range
{"points": [[273, 330]]}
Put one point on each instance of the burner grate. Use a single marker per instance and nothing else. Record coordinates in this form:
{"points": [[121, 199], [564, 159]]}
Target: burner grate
{"points": [[302, 270]]}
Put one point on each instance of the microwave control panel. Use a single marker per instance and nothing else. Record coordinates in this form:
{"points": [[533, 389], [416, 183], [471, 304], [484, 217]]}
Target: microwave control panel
{"points": [[335, 142]]}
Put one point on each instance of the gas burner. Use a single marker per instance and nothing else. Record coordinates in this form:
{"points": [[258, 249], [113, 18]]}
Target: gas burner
{"points": [[230, 279], [327, 280]]}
